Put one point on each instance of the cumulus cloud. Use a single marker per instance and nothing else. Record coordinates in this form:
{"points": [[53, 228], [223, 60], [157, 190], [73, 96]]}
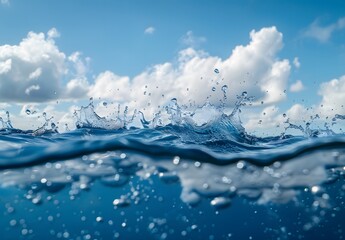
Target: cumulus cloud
{"points": [[332, 103], [53, 33], [324, 33], [254, 68], [297, 86], [296, 62], [149, 30], [35, 69], [190, 40], [333, 96]]}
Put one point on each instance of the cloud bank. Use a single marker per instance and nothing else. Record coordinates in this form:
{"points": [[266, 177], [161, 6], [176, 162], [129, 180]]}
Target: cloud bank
{"points": [[254, 68]]}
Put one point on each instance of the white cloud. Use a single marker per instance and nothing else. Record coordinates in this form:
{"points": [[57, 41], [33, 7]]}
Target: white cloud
{"points": [[53, 33], [76, 88], [5, 66], [192, 78], [31, 89], [297, 86], [190, 40], [333, 96], [324, 33], [296, 62], [149, 30], [332, 103], [34, 70], [35, 74]]}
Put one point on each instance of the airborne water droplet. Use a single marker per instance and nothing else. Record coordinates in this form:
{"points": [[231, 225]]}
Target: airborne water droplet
{"points": [[28, 112], [244, 94], [225, 88], [216, 70], [105, 104], [213, 89]]}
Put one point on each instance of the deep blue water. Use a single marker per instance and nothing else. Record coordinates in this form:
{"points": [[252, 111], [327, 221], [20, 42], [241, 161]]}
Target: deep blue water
{"points": [[181, 180]]}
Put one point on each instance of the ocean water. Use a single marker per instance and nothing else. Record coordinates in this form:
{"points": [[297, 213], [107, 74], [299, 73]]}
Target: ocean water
{"points": [[192, 174]]}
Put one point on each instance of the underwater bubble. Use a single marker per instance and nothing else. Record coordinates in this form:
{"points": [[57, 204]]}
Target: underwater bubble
{"points": [[24, 231], [121, 202], [315, 189], [216, 70], [197, 164], [114, 180], [169, 177], [176, 160], [226, 180], [221, 202], [99, 219], [44, 180], [13, 222], [240, 165], [37, 200]]}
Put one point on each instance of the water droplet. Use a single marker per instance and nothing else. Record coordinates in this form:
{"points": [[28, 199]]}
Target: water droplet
{"points": [[105, 104], [27, 111], [244, 94], [225, 88], [214, 89], [216, 70], [284, 115]]}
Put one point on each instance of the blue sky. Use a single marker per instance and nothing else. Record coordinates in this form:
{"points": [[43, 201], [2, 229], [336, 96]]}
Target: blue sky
{"points": [[112, 34]]}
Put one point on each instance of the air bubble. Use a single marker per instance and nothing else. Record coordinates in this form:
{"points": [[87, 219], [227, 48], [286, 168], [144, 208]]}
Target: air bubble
{"points": [[221, 202]]}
